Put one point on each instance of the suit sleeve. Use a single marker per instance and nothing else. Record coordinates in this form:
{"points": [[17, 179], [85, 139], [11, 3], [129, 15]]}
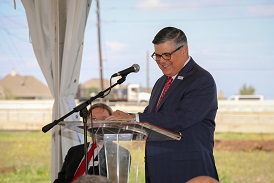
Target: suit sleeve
{"points": [[62, 175]]}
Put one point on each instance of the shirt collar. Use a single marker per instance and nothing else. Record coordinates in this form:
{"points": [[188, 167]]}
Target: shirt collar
{"points": [[187, 60], [173, 77]]}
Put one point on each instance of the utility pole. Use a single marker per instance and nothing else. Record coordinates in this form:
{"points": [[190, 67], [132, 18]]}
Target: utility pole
{"points": [[99, 45]]}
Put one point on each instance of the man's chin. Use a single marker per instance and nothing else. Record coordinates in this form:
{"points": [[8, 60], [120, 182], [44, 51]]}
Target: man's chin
{"points": [[166, 72]]}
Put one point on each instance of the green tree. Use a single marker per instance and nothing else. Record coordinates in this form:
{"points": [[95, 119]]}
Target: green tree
{"points": [[247, 90]]}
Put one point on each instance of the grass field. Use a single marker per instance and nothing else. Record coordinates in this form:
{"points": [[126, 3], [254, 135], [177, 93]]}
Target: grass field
{"points": [[25, 157]]}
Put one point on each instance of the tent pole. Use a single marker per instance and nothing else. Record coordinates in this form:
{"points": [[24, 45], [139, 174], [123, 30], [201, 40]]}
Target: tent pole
{"points": [[56, 159], [99, 44]]}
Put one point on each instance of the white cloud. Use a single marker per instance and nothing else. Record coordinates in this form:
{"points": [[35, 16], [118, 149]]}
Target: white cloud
{"points": [[263, 10], [175, 4], [116, 46], [152, 4], [195, 4]]}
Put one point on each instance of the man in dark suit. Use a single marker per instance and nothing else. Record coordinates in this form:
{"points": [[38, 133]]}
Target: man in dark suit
{"points": [[187, 104], [75, 154]]}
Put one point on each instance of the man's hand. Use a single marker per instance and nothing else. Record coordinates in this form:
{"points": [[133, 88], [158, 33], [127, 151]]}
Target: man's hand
{"points": [[121, 116]]}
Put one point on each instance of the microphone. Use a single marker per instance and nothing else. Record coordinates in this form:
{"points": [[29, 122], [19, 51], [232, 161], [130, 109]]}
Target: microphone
{"points": [[125, 72]]}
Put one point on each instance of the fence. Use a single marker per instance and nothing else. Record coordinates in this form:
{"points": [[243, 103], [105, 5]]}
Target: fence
{"points": [[232, 116]]}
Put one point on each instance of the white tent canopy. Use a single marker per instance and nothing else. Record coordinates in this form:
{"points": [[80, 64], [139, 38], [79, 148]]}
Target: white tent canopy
{"points": [[57, 32]]}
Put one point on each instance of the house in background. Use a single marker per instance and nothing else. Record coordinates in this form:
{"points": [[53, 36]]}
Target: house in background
{"points": [[91, 88], [15, 86]]}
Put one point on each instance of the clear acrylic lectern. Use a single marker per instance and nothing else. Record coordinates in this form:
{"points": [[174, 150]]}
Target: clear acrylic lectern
{"points": [[124, 145]]}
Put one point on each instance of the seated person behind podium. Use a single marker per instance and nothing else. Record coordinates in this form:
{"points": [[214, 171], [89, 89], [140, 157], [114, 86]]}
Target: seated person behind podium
{"points": [[75, 154]]}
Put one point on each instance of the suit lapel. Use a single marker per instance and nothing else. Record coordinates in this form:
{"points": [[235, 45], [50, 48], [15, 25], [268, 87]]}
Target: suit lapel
{"points": [[184, 73], [77, 158]]}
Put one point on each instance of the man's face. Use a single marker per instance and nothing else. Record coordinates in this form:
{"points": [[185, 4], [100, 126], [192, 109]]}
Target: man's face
{"points": [[99, 114], [178, 58]]}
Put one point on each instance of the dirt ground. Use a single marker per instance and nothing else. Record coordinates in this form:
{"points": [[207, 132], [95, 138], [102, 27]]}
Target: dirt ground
{"points": [[244, 145]]}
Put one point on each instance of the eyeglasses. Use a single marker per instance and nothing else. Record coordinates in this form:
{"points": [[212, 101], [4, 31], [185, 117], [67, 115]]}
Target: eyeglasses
{"points": [[165, 56]]}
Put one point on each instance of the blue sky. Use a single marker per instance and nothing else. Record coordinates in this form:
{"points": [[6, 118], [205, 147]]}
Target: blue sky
{"points": [[232, 39]]}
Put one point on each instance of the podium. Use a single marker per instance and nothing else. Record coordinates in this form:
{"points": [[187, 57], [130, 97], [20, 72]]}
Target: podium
{"points": [[123, 144]]}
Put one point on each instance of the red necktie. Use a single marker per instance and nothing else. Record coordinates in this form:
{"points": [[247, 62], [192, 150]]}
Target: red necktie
{"points": [[167, 85], [82, 168]]}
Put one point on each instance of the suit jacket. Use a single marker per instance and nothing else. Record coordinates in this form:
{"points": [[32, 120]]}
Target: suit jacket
{"points": [[76, 153], [72, 161], [189, 107]]}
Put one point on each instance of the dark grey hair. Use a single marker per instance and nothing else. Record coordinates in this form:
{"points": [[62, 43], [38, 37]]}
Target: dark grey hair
{"points": [[102, 106], [170, 34]]}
